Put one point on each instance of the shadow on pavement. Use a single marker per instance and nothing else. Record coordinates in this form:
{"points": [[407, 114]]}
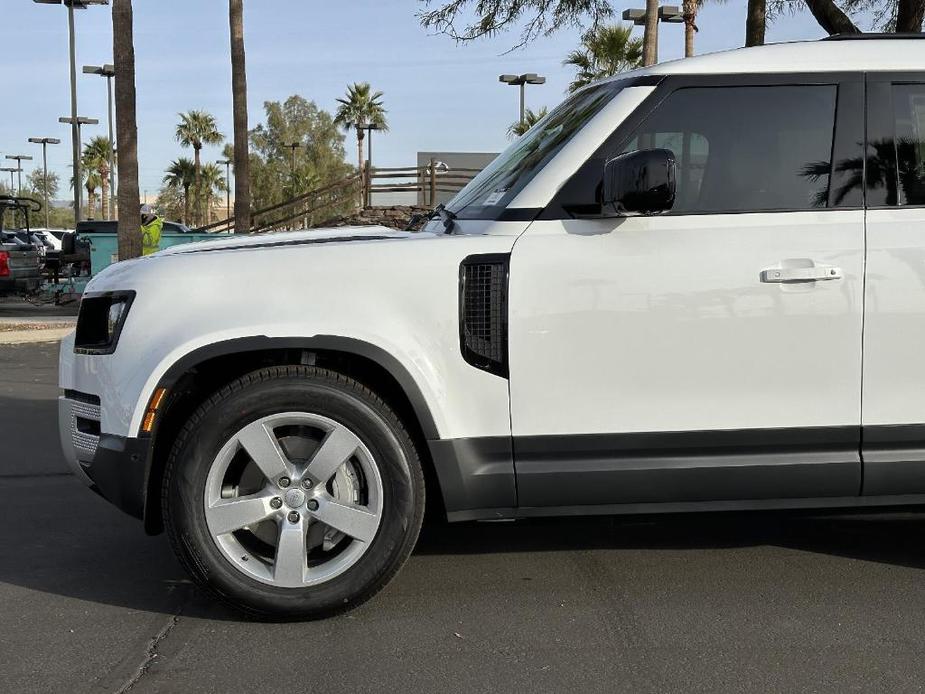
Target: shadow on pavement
{"points": [[88, 550]]}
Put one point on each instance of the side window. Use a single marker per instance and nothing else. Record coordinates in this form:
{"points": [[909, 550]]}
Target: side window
{"points": [[742, 149], [909, 119]]}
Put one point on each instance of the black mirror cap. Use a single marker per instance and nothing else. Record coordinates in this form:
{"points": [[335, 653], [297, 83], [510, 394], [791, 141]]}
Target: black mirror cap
{"points": [[641, 182]]}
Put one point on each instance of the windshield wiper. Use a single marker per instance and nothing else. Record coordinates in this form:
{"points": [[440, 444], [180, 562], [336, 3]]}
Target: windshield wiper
{"points": [[448, 218]]}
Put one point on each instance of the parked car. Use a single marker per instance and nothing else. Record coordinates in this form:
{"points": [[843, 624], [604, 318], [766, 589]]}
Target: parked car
{"points": [[21, 253], [693, 287], [102, 226]]}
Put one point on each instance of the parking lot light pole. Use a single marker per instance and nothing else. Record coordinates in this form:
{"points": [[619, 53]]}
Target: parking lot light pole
{"points": [[76, 123], [670, 14], [227, 164], [11, 171], [521, 81], [75, 134], [19, 159], [45, 141], [108, 71]]}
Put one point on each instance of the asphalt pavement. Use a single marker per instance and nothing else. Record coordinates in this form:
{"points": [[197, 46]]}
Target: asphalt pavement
{"points": [[714, 603]]}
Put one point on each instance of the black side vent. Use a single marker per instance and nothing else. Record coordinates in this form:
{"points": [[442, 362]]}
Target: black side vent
{"points": [[483, 312]]}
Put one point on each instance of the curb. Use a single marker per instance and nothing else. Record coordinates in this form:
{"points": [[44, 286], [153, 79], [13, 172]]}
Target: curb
{"points": [[22, 337]]}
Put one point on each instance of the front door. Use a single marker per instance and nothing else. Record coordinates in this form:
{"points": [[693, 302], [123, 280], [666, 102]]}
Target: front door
{"points": [[712, 353], [894, 332]]}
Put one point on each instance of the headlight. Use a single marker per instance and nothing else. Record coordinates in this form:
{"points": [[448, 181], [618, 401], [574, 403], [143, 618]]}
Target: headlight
{"points": [[100, 321]]}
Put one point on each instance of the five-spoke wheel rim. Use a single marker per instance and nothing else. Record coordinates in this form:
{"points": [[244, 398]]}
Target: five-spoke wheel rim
{"points": [[303, 480]]}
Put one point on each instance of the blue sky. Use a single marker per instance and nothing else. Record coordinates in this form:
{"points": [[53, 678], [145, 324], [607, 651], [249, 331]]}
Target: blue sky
{"points": [[439, 95]]}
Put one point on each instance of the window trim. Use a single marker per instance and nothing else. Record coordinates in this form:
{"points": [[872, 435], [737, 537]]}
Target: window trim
{"points": [[881, 121], [849, 126]]}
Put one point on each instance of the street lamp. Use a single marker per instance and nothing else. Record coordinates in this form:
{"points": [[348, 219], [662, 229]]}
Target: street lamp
{"points": [[76, 124], [227, 165], [108, 71], [670, 14], [19, 159], [293, 146], [75, 134], [12, 171], [521, 81], [369, 127], [45, 141]]}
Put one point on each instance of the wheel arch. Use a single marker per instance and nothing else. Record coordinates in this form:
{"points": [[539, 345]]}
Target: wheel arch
{"points": [[196, 374]]}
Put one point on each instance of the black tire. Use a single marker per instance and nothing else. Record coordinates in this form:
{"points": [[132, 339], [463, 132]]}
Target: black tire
{"points": [[271, 391]]}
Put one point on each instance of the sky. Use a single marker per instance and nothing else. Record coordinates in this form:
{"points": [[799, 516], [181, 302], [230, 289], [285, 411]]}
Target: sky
{"points": [[440, 96]]}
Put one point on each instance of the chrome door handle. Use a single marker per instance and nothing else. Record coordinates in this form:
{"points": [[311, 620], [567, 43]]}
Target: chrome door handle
{"points": [[819, 273]]}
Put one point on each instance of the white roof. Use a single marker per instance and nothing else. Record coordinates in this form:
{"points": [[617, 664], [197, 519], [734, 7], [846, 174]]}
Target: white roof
{"points": [[870, 55]]}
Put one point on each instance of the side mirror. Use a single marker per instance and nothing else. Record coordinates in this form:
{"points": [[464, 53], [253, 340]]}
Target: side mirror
{"points": [[640, 182]]}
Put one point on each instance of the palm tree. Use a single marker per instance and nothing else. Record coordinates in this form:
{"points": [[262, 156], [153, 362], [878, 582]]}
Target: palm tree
{"points": [[95, 159], [242, 179], [690, 10], [181, 175], [604, 51], [123, 50], [212, 180], [755, 21], [91, 181], [361, 106], [531, 118], [196, 129]]}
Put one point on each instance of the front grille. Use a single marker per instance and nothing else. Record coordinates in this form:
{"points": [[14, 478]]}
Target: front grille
{"points": [[483, 312]]}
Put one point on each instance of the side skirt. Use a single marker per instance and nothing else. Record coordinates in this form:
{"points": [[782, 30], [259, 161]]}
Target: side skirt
{"points": [[848, 503]]}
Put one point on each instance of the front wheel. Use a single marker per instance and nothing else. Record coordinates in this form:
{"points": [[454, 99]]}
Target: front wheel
{"points": [[293, 493]]}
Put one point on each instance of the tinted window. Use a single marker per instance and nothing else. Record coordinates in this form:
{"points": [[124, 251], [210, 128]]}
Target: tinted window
{"points": [[743, 149], [909, 119], [495, 186]]}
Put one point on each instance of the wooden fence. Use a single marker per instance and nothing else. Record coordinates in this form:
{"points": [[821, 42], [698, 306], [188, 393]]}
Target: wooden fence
{"points": [[358, 190]]}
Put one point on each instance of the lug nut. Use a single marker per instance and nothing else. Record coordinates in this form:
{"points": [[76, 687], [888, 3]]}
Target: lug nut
{"points": [[276, 502], [306, 483], [312, 504], [284, 482], [293, 517]]}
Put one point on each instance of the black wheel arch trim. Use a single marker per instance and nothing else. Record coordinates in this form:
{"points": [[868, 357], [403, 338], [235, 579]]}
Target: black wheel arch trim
{"points": [[331, 343]]}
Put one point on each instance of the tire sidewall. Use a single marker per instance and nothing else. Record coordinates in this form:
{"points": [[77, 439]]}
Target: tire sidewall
{"points": [[402, 503]]}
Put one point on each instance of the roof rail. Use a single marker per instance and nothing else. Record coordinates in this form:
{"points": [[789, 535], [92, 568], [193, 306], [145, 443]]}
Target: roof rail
{"points": [[878, 36]]}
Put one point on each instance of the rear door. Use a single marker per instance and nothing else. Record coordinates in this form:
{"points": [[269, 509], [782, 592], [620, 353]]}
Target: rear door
{"points": [[894, 331], [681, 357]]}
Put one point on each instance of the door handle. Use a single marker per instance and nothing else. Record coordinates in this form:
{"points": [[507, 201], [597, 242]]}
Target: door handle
{"points": [[817, 273]]}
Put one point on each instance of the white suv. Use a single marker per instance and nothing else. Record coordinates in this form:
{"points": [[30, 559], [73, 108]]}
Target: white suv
{"points": [[698, 286]]}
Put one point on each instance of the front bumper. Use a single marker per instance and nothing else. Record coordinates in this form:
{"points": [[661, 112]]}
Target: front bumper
{"points": [[113, 466]]}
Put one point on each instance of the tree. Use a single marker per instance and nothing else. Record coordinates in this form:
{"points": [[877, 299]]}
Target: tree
{"points": [[538, 17], [531, 118], [604, 52], [321, 159], [690, 10], [96, 158], [650, 34], [242, 179], [123, 50], [361, 106], [196, 129], [180, 176], [756, 22], [905, 16], [36, 182], [212, 180]]}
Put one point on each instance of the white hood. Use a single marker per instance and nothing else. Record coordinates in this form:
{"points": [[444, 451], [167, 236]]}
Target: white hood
{"points": [[328, 235]]}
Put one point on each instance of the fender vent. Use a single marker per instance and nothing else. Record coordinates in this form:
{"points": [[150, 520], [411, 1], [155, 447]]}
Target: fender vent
{"points": [[483, 281]]}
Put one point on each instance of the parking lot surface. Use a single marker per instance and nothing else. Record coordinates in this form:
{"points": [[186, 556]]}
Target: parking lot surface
{"points": [[723, 602]]}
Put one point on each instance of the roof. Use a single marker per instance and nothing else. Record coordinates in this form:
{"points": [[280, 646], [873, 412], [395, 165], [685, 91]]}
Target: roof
{"points": [[871, 55]]}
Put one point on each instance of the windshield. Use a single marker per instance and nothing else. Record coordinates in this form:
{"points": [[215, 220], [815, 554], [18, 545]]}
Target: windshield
{"points": [[496, 185]]}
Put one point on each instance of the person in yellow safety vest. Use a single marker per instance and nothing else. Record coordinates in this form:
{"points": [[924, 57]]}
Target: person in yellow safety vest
{"points": [[151, 226]]}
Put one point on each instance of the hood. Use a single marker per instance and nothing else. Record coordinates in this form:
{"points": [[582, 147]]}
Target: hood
{"points": [[291, 238]]}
